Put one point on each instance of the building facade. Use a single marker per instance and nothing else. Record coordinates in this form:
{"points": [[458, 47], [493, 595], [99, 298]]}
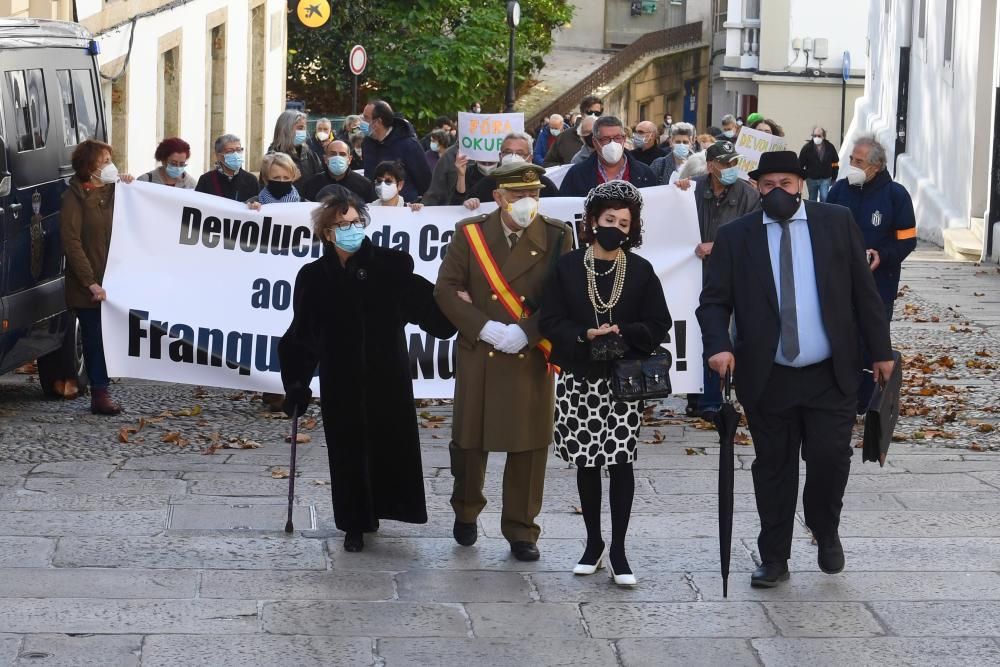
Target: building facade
{"points": [[784, 59], [931, 99], [193, 69], [652, 84]]}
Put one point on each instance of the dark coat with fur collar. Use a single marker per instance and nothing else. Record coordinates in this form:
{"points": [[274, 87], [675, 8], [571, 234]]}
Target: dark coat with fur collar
{"points": [[349, 321]]}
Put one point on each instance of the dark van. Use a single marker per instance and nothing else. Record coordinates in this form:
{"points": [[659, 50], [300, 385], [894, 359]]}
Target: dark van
{"points": [[49, 102]]}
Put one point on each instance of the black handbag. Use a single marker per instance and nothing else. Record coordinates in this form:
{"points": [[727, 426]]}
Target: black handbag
{"points": [[638, 379], [608, 347]]}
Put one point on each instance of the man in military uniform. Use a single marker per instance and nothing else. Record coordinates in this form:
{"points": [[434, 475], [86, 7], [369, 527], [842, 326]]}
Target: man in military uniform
{"points": [[490, 286]]}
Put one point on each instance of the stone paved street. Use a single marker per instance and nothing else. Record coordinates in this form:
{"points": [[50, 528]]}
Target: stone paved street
{"points": [[128, 548]]}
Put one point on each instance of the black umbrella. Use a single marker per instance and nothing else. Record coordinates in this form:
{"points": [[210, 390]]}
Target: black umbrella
{"points": [[726, 422], [289, 527]]}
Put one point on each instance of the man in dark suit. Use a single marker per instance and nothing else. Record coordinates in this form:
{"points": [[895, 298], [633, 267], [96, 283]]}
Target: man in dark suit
{"points": [[796, 278]]}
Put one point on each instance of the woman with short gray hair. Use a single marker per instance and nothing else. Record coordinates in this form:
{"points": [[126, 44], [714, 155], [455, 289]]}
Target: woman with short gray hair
{"points": [[290, 137]]}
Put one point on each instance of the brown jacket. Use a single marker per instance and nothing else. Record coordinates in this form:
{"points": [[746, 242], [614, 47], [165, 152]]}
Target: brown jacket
{"points": [[503, 402], [85, 228]]}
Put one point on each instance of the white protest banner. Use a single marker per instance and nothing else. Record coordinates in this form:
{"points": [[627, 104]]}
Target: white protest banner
{"points": [[750, 144], [480, 134], [199, 287], [557, 174]]}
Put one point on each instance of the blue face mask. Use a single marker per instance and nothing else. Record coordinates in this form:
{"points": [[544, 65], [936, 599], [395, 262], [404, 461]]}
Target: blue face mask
{"points": [[349, 240], [174, 172], [233, 160], [729, 175], [681, 150], [366, 129], [300, 137], [337, 165]]}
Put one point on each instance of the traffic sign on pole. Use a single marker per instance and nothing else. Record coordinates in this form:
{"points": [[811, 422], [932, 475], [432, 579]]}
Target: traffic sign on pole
{"points": [[358, 59]]}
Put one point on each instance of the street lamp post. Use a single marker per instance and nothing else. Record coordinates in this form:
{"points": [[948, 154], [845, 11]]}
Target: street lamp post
{"points": [[513, 18]]}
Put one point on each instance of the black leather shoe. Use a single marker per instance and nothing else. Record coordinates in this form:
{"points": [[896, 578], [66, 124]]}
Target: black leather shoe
{"points": [[831, 554], [526, 551], [769, 575], [465, 534], [354, 542]]}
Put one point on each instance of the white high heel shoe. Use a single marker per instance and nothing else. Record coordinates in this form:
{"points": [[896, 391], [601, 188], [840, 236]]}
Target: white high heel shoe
{"points": [[621, 579], [583, 569]]}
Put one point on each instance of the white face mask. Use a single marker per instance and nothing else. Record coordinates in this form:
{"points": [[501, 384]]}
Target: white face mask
{"points": [[523, 211], [322, 136], [854, 175], [511, 158], [109, 173], [612, 152], [817, 140], [386, 191]]}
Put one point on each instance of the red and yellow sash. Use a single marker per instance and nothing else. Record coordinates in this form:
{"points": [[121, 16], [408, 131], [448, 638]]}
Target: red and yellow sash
{"points": [[510, 300]]}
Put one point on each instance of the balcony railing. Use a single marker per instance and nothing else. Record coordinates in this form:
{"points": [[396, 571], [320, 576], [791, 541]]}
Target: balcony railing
{"points": [[645, 45]]}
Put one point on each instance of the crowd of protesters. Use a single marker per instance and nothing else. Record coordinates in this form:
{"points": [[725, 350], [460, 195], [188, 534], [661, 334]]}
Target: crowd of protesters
{"points": [[598, 293]]}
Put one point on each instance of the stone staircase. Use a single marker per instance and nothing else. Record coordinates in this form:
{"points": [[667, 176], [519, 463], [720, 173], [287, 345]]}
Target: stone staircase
{"points": [[966, 243]]}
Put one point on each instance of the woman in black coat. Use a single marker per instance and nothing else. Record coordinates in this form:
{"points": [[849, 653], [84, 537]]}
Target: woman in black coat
{"points": [[595, 295], [350, 309]]}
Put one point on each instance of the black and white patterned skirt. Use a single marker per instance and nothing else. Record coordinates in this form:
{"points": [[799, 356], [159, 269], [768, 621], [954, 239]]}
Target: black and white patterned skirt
{"points": [[591, 427]]}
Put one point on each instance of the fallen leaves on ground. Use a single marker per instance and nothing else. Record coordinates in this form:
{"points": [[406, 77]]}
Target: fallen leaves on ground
{"points": [[279, 473], [321, 482], [175, 437], [742, 439], [200, 392], [300, 438], [694, 451], [189, 412], [308, 424]]}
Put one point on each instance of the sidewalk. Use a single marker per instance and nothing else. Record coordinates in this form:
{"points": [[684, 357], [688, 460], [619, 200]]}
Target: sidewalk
{"points": [[147, 552]]}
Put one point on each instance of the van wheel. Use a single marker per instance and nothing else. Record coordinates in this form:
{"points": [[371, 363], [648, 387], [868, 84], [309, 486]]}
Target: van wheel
{"points": [[65, 362]]}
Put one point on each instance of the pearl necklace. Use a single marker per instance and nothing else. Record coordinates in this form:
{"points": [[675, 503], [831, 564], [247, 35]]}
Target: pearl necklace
{"points": [[600, 305]]}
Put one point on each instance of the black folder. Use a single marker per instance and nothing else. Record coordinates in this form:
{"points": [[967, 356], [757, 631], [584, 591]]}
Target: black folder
{"points": [[883, 411]]}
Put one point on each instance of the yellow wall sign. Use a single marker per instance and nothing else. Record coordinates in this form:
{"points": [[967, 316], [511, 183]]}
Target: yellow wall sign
{"points": [[313, 13]]}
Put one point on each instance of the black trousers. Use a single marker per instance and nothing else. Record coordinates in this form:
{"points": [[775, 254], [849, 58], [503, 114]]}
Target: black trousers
{"points": [[800, 408]]}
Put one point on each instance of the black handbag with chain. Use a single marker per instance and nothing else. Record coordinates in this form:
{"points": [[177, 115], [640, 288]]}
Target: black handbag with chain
{"points": [[639, 379]]}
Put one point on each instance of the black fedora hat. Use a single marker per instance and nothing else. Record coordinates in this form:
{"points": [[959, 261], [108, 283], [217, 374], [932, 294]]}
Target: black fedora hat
{"points": [[777, 162]]}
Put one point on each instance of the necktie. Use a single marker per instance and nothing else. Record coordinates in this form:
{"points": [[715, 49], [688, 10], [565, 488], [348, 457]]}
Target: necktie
{"points": [[789, 316], [512, 237]]}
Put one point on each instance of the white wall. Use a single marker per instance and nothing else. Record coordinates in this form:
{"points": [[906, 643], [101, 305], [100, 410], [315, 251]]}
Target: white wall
{"points": [[841, 23], [144, 65], [942, 122]]}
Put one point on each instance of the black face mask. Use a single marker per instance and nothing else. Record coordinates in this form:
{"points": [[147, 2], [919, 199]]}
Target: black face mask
{"points": [[610, 238], [780, 205], [279, 188]]}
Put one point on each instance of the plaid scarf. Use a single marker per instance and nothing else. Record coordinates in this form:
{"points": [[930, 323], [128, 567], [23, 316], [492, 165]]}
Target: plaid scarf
{"points": [[265, 197]]}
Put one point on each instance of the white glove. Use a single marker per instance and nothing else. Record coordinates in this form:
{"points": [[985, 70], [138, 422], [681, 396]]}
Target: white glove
{"points": [[514, 340], [493, 332]]}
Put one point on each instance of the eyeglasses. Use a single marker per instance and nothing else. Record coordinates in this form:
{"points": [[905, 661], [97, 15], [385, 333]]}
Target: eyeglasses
{"points": [[233, 150], [171, 163], [596, 113], [357, 223], [604, 141], [523, 154], [817, 136]]}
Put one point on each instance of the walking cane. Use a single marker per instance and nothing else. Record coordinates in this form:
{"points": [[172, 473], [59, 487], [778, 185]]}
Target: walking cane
{"points": [[289, 527]]}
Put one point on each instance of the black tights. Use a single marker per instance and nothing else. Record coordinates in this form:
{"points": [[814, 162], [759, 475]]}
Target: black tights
{"points": [[622, 489]]}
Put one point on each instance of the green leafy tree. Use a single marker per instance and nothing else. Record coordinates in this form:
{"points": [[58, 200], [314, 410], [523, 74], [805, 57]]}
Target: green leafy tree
{"points": [[426, 57]]}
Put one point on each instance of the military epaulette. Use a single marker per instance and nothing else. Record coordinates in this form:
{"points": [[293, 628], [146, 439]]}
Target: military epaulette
{"points": [[473, 220], [555, 222]]}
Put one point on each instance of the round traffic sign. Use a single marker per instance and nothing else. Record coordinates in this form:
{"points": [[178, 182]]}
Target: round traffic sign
{"points": [[313, 13], [358, 59]]}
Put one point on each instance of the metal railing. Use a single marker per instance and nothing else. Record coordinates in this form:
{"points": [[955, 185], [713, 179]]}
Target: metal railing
{"points": [[651, 42]]}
